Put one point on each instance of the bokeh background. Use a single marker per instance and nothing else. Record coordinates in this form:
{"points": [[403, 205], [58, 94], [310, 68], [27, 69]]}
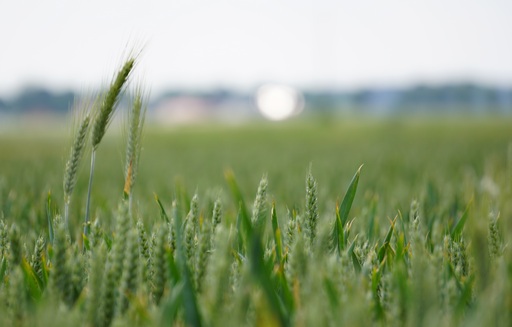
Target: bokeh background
{"points": [[234, 61]]}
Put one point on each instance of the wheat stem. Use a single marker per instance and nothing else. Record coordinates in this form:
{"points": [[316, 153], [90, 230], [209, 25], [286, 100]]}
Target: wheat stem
{"points": [[87, 226], [102, 120]]}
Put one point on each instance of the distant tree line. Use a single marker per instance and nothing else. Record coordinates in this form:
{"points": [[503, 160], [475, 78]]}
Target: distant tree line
{"points": [[463, 97], [38, 99], [420, 98]]}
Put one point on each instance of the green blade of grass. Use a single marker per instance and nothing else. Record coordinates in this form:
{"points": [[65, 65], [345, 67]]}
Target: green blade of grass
{"points": [[337, 233], [182, 195], [163, 214], [277, 235], [353, 255], [465, 295], [376, 284], [401, 248], [261, 272], [348, 199], [371, 218], [284, 292], [244, 225], [49, 216], [32, 281], [332, 293], [3, 269], [456, 231], [237, 194], [387, 239], [172, 305], [174, 272]]}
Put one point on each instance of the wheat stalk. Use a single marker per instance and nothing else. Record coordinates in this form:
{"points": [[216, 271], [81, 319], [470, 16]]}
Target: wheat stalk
{"points": [[102, 119]]}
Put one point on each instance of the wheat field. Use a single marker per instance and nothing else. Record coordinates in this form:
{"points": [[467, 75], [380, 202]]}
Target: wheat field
{"points": [[362, 221]]}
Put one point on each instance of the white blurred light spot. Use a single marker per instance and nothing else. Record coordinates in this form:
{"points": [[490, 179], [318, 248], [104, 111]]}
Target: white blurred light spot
{"points": [[279, 102]]}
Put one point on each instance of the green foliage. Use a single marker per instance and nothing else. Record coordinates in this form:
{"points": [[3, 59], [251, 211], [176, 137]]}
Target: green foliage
{"points": [[341, 228]]}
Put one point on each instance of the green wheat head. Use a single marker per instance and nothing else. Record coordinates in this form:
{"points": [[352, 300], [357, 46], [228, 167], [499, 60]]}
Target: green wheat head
{"points": [[259, 209], [136, 120], [108, 105], [311, 218]]}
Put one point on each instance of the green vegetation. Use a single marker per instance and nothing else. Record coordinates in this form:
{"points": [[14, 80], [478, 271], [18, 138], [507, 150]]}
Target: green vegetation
{"points": [[418, 236]]}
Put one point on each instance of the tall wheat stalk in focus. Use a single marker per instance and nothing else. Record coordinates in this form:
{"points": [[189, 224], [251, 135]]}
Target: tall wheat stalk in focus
{"points": [[102, 119]]}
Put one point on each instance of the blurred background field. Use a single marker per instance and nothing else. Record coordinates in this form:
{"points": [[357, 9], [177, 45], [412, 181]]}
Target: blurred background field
{"points": [[404, 159]]}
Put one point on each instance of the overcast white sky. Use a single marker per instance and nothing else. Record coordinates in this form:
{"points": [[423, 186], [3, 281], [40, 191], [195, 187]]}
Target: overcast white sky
{"points": [[242, 43]]}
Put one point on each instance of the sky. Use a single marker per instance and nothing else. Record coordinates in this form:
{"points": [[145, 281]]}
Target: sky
{"points": [[241, 44]]}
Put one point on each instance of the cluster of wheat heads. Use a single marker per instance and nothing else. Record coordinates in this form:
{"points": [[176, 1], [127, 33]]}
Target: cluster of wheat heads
{"points": [[95, 118], [199, 264]]}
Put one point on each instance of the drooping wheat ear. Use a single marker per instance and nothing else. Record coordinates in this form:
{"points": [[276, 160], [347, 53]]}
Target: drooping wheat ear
{"points": [[103, 117], [134, 145], [128, 284], [259, 209], [311, 218], [73, 163]]}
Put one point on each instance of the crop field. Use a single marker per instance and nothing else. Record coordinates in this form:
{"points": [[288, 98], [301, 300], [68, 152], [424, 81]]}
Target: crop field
{"points": [[251, 253], [356, 222]]}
